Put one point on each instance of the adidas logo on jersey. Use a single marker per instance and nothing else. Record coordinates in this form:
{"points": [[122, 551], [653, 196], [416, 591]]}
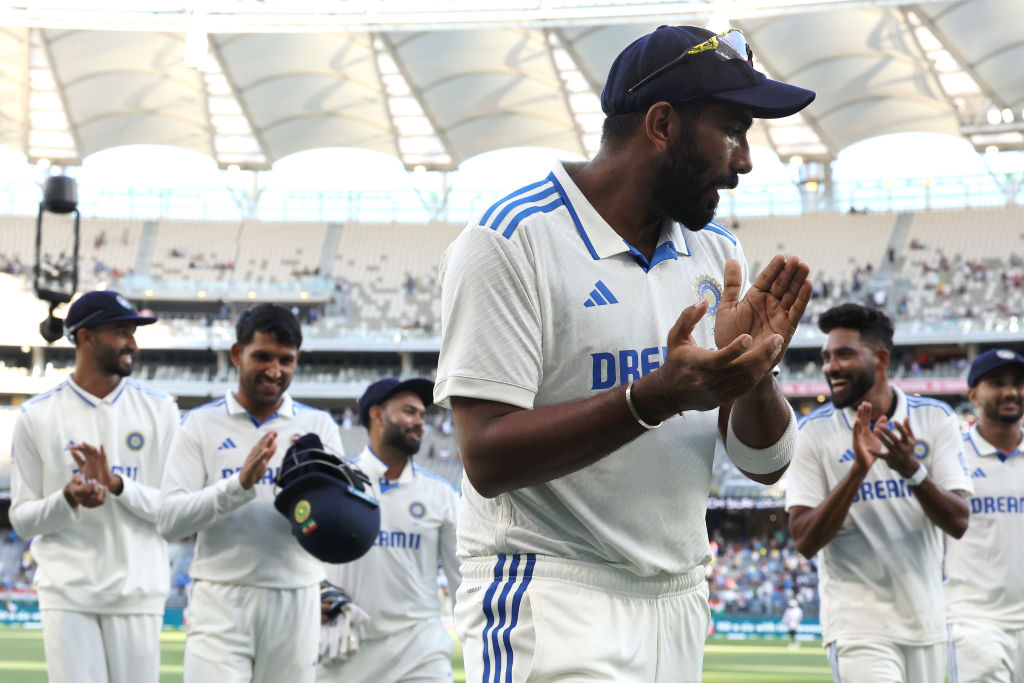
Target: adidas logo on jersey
{"points": [[847, 456], [228, 443], [600, 296], [978, 472]]}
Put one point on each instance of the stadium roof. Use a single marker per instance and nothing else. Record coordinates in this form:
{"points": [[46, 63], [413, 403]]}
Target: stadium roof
{"points": [[249, 82]]}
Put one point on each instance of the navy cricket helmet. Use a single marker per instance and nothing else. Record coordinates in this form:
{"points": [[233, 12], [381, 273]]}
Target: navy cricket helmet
{"points": [[326, 502]]}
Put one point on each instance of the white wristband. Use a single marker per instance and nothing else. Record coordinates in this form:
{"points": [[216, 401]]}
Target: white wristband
{"points": [[762, 460], [919, 476], [632, 409]]}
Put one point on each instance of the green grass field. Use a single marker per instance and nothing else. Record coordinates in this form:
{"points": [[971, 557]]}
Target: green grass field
{"points": [[725, 661]]}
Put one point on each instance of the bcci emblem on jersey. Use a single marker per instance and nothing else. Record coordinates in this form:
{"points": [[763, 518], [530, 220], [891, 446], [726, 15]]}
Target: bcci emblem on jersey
{"points": [[135, 441], [417, 509], [710, 289], [921, 449]]}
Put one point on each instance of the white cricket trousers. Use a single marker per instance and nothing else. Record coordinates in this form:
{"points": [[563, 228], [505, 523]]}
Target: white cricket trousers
{"points": [[238, 634], [421, 653], [537, 618], [101, 648], [983, 652], [881, 662]]}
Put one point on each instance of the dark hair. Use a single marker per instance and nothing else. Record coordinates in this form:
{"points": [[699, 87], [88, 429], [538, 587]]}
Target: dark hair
{"points": [[870, 322], [618, 128], [271, 319]]}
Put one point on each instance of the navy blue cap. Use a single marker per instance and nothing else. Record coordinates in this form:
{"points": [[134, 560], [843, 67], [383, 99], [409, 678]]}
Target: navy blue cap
{"points": [[100, 307], [380, 391], [699, 76], [328, 503], [992, 360]]}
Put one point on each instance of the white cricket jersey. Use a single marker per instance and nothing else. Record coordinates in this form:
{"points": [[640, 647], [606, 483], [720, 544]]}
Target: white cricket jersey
{"points": [[881, 576], [543, 303], [242, 539], [108, 559], [395, 582], [985, 568]]}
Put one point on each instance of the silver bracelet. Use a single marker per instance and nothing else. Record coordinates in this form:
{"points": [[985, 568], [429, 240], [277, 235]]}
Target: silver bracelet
{"points": [[632, 409], [917, 477]]}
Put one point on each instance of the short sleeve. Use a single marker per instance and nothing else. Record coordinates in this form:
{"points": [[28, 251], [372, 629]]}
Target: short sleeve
{"points": [[491, 344], [806, 484], [948, 467]]}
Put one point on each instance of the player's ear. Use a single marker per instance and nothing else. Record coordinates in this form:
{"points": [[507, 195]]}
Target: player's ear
{"points": [[659, 123], [882, 357], [375, 412], [236, 355]]}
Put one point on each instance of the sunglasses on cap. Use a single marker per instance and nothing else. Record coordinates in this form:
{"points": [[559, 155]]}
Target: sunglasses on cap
{"points": [[727, 45]]}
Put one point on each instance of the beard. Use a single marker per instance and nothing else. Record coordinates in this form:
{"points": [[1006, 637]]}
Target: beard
{"points": [[992, 412], [860, 383], [683, 189], [397, 438], [111, 361]]}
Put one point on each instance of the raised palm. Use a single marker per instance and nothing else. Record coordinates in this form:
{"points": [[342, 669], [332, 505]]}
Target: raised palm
{"points": [[774, 304]]}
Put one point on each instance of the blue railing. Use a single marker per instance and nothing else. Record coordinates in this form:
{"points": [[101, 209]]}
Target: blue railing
{"points": [[908, 194]]}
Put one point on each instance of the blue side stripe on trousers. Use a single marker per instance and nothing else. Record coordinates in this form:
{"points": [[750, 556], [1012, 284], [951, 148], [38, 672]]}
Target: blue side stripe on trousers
{"points": [[488, 612], [513, 572], [833, 659], [517, 600]]}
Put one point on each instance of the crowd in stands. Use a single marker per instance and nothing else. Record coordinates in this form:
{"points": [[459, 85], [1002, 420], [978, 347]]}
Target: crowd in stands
{"points": [[757, 576], [753, 576]]}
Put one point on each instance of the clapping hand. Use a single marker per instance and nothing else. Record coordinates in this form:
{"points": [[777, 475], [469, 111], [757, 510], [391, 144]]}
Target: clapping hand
{"points": [[93, 464], [255, 465], [866, 446], [773, 305], [88, 493]]}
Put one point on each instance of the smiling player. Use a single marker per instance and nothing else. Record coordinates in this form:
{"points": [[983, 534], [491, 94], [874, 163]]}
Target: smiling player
{"points": [[984, 580], [396, 581], [87, 457], [875, 503], [254, 613]]}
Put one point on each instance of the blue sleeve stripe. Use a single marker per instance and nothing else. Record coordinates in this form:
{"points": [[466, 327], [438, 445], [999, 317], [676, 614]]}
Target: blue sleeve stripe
{"points": [[211, 404], [45, 395], [921, 401], [433, 475], [827, 410], [512, 206], [146, 390], [521, 190], [547, 208], [716, 228], [575, 217]]}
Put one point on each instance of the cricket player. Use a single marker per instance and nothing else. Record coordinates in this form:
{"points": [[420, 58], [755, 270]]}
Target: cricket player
{"points": [[878, 476], [396, 581], [581, 315], [984, 579], [254, 612], [87, 460], [791, 619]]}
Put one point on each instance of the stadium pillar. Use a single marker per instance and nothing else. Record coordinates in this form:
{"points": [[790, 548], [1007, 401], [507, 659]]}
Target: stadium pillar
{"points": [[407, 366], [829, 198], [38, 361], [223, 364]]}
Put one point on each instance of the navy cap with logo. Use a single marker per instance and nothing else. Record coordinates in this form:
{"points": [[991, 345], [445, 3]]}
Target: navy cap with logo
{"points": [[380, 391], [100, 307], [990, 360], [681, 63], [328, 503]]}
